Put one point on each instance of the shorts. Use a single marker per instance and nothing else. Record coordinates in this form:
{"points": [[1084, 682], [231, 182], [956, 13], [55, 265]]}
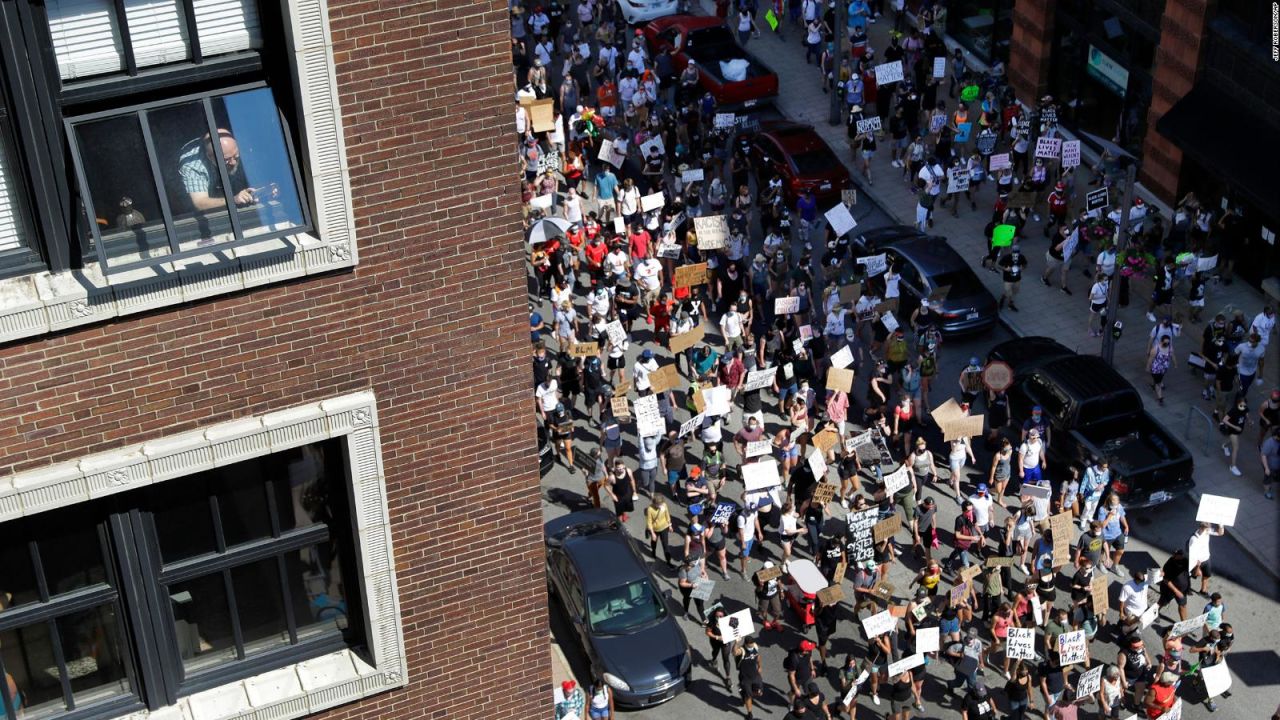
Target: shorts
{"points": [[1031, 474], [868, 154], [1206, 570], [1011, 289], [617, 363], [746, 547], [791, 453], [750, 686], [1117, 543], [948, 627], [898, 706], [1166, 597], [1157, 378]]}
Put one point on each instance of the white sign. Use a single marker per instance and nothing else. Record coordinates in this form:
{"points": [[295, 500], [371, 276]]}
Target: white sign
{"points": [[736, 626], [649, 421], [756, 448], [1218, 510], [842, 358], [653, 201], [655, 143], [688, 426], [610, 155], [617, 335], [1188, 626], [1175, 712], [1149, 615], [879, 624], [818, 464], [896, 480], [759, 379], [890, 322], [619, 225], [874, 264], [1089, 681], [841, 221], [957, 180], [1205, 264], [1048, 148], [797, 345], [927, 640], [691, 176], [887, 73], [1217, 679], [869, 125], [542, 202], [724, 120], [905, 664], [940, 67], [786, 305], [1071, 153], [670, 251], [716, 400], [760, 475], [1021, 644], [711, 230], [1000, 161]]}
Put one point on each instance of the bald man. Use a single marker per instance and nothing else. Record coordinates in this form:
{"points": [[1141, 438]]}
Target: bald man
{"points": [[198, 166]]}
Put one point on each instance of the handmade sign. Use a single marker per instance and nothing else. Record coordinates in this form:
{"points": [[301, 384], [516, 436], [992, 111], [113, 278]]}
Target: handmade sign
{"points": [[654, 143], [826, 439], [1021, 644], [760, 379], [818, 464], [905, 664], [1205, 264], [688, 426], [987, 139], [1000, 161], [830, 595], [786, 305], [842, 358], [610, 155], [1061, 526], [1189, 626], [617, 335], [874, 265], [665, 378], [887, 73], [619, 225], [841, 568], [1217, 510], [918, 613], [653, 201], [997, 376], [1217, 679], [767, 574], [542, 202], [1099, 590], [1001, 561], [1042, 492], [840, 379], [669, 251], [967, 574], [685, 340], [702, 589], [879, 624], [760, 475], [1149, 615], [691, 176], [927, 639], [840, 219], [723, 512], [1002, 235], [959, 592], [1022, 199], [963, 426], [957, 180], [724, 120], [736, 626], [963, 131], [1098, 199], [860, 537], [869, 125], [897, 480], [542, 114], [940, 67], [823, 493], [1089, 681], [886, 528], [1071, 154], [549, 162], [849, 197], [756, 448], [690, 275], [889, 321], [718, 400], [1073, 647], [937, 122], [584, 349], [712, 230], [1048, 148], [649, 422]]}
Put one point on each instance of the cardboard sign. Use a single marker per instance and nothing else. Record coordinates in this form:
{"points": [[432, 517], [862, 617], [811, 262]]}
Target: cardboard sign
{"points": [[724, 120], [689, 177], [959, 592], [685, 340], [1099, 590], [1099, 199], [1071, 154], [766, 574], [841, 221], [879, 624], [873, 265], [702, 589], [690, 275], [1048, 148], [760, 379], [957, 180], [1020, 199], [542, 114], [897, 480], [842, 567], [886, 528], [712, 231], [1218, 510], [757, 448], [1217, 679], [887, 73], [736, 626], [620, 407], [1089, 681], [584, 349], [760, 475], [842, 358], [1189, 626], [905, 664], [999, 161], [967, 574], [940, 67], [830, 595], [617, 334], [652, 201], [818, 464], [964, 426], [649, 422], [826, 440], [786, 305], [1072, 648], [1062, 527], [869, 125], [823, 493], [860, 537], [666, 377], [840, 379], [993, 562], [927, 639]]}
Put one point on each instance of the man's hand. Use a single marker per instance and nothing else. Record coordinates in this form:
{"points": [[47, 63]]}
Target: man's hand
{"points": [[244, 197]]}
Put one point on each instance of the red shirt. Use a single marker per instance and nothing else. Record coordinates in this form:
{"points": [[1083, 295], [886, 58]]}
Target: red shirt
{"points": [[595, 253], [731, 374], [591, 227], [661, 313], [868, 88], [639, 244], [576, 237], [607, 95], [1057, 203]]}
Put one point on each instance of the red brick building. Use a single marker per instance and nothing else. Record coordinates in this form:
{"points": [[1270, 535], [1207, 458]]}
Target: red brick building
{"points": [[265, 447]]}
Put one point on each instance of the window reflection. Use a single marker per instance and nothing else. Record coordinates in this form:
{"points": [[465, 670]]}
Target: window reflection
{"points": [[31, 665], [202, 622], [316, 589], [260, 602], [92, 652], [126, 206], [256, 139]]}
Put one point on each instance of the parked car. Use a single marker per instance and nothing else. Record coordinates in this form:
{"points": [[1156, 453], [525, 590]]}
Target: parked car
{"points": [[546, 452], [707, 42], [638, 11], [796, 153], [1094, 412], [928, 264], [615, 609]]}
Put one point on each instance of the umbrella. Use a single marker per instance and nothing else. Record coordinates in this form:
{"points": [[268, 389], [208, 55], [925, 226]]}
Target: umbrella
{"points": [[547, 228]]}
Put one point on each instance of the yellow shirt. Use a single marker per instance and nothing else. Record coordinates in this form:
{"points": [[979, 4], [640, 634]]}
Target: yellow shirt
{"points": [[657, 519]]}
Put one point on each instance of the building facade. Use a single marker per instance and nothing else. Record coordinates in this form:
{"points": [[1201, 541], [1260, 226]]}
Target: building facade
{"points": [[264, 441], [1188, 87]]}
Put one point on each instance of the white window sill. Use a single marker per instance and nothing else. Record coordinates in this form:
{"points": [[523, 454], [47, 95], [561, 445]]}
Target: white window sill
{"points": [[33, 305]]}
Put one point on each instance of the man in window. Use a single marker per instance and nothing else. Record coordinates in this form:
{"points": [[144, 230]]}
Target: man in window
{"points": [[198, 166]]}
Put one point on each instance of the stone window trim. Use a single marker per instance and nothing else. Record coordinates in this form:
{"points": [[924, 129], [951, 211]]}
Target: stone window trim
{"points": [[306, 687], [45, 302]]}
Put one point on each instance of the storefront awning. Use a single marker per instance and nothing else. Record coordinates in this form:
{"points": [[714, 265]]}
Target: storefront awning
{"points": [[1225, 137]]}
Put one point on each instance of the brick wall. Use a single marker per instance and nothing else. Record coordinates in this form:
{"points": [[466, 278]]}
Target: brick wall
{"points": [[1030, 48], [1182, 40], [432, 320]]}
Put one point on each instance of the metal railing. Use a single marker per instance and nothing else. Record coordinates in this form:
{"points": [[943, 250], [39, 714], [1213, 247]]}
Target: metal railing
{"points": [[1208, 423]]}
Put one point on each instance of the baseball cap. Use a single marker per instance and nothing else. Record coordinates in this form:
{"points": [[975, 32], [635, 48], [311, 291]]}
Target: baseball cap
{"points": [[982, 487], [696, 527], [807, 645], [811, 687], [1036, 409], [974, 360], [695, 471], [768, 564], [567, 686], [647, 354]]}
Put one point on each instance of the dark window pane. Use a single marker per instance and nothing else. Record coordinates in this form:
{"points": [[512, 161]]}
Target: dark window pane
{"points": [[242, 503], [261, 605], [202, 622], [316, 589], [29, 661], [269, 198], [18, 581], [72, 555], [93, 653], [302, 496], [190, 174], [184, 520], [126, 207]]}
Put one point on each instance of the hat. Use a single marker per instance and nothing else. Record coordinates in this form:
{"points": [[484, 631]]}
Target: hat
{"points": [[760, 258], [1016, 247], [1036, 409], [811, 687], [647, 354], [807, 645], [567, 686], [1033, 433], [768, 564], [1060, 186], [517, 10], [855, 108], [682, 167], [695, 527], [695, 471], [1138, 202], [928, 501], [982, 487]]}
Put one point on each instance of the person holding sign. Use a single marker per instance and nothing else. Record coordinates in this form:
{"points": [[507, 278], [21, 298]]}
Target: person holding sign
{"points": [[1198, 554]]}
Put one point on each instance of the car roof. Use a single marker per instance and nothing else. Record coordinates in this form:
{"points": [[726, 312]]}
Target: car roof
{"points": [[794, 137], [932, 255], [1085, 376], [600, 550]]}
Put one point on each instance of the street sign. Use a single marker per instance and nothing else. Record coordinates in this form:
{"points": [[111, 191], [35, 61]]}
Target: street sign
{"points": [[997, 375]]}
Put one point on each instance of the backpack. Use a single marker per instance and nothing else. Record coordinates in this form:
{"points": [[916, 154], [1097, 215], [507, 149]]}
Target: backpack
{"points": [[897, 351]]}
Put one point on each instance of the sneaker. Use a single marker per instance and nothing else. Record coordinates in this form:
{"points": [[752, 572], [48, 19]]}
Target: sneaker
{"points": [[1151, 317], [1025, 570], [1226, 450], [1236, 471], [875, 699], [844, 503], [1213, 707]]}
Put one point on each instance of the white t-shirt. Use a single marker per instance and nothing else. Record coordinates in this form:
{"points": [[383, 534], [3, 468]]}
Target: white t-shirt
{"points": [[1107, 261], [1263, 325], [617, 261], [1031, 453], [648, 274], [1249, 357], [731, 325], [710, 431], [598, 302], [835, 322], [891, 280], [981, 509], [1098, 293], [1198, 548], [573, 209], [630, 201], [548, 395], [1133, 597], [640, 373]]}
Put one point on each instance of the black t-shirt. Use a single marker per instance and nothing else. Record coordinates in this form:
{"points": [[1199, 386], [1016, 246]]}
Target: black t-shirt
{"points": [[751, 401], [1015, 691], [1177, 570], [901, 692], [798, 663], [1052, 674], [541, 368], [1013, 268], [979, 708]]}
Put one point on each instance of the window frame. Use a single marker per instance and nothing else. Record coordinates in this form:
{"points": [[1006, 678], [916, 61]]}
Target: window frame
{"points": [[140, 111]]}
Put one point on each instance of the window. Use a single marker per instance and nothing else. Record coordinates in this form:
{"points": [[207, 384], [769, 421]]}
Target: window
{"points": [[140, 598], [120, 101]]}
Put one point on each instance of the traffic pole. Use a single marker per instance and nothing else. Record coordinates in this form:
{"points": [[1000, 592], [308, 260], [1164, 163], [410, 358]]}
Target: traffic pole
{"points": [[838, 32], [1113, 292]]}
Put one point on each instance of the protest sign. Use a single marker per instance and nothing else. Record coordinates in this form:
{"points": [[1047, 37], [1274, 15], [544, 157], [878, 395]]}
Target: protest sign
{"points": [[905, 664], [1099, 590], [1048, 148], [722, 513], [718, 400], [874, 265], [1189, 625], [963, 426], [886, 528], [887, 73], [967, 574], [688, 426], [840, 379], [957, 180], [826, 439], [797, 345], [889, 321], [1002, 236], [760, 379], [936, 123], [736, 626], [1036, 491], [685, 340], [584, 349], [665, 378], [619, 406], [760, 475], [897, 480], [786, 305], [542, 202], [619, 225], [1089, 681], [1071, 154], [830, 595], [940, 66], [1061, 526], [724, 120], [654, 143], [609, 154], [818, 464], [823, 493], [959, 592], [1000, 161], [1021, 644], [860, 538], [649, 422], [997, 376], [927, 639], [702, 589], [1217, 679], [690, 275], [1217, 510], [869, 125], [617, 335], [756, 448], [542, 114], [669, 251], [712, 230], [1206, 264], [691, 176], [767, 574], [849, 196], [549, 162], [841, 568], [879, 624], [1149, 615], [1022, 199], [963, 130], [1000, 561], [842, 358], [840, 219], [918, 613], [653, 201], [1072, 647], [987, 139], [1098, 199]]}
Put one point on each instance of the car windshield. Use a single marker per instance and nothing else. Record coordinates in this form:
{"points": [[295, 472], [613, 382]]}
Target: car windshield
{"points": [[814, 162], [963, 283], [624, 608]]}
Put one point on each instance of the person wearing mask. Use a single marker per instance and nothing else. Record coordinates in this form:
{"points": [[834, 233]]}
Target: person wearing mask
{"points": [[657, 524], [1097, 477], [1115, 531], [1133, 602], [1161, 696], [750, 681], [1031, 457], [979, 705], [600, 705], [1231, 426], [686, 578], [1018, 691], [968, 538]]}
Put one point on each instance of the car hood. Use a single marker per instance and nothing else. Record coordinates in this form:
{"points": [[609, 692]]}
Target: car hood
{"points": [[647, 658]]}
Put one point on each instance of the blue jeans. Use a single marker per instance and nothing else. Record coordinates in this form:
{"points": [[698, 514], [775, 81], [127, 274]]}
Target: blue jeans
{"points": [[1017, 709]]}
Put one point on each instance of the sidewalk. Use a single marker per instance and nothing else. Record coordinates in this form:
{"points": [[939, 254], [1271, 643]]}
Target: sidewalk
{"points": [[1047, 311]]}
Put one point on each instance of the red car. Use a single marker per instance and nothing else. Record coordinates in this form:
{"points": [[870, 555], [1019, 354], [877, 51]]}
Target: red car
{"points": [[707, 42], [803, 160]]}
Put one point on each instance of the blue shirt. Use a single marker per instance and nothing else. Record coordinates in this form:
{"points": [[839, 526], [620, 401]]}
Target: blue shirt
{"points": [[1111, 530], [534, 321], [606, 183], [856, 19], [808, 208]]}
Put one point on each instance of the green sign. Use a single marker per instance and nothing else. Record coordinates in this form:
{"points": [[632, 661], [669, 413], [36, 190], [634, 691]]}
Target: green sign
{"points": [[1003, 236]]}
